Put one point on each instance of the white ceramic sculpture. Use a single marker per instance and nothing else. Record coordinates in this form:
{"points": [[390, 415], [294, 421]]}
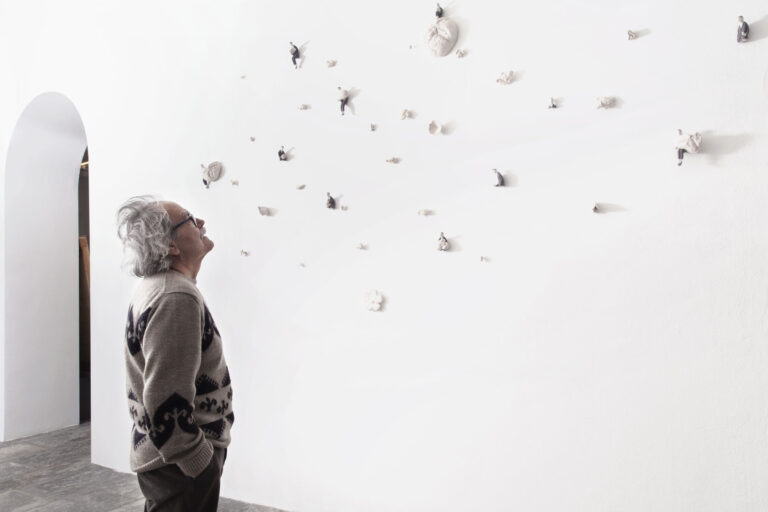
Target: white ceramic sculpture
{"points": [[596, 208], [393, 160], [691, 143], [405, 114], [442, 36], [303, 106], [434, 127], [424, 213], [461, 53], [373, 127], [631, 35], [330, 63], [235, 183], [606, 102], [243, 252], [361, 246], [264, 211], [442, 243], [300, 187], [374, 299], [506, 78], [211, 173], [253, 139]]}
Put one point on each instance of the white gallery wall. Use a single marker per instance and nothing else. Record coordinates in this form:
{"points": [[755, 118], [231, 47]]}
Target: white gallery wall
{"points": [[610, 361], [40, 350]]}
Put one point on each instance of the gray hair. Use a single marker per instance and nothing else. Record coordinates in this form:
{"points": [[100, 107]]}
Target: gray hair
{"points": [[144, 227]]}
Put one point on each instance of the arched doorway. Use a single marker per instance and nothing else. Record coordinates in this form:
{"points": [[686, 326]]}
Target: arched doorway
{"points": [[41, 361]]}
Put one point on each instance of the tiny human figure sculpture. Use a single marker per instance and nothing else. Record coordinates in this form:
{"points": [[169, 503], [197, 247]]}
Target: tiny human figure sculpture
{"points": [[743, 32], [442, 243], [295, 54], [330, 202], [687, 144], [282, 155], [552, 103], [439, 11], [631, 35], [343, 98], [499, 179]]}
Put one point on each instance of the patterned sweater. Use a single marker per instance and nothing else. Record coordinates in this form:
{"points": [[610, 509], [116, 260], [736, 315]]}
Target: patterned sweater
{"points": [[179, 390]]}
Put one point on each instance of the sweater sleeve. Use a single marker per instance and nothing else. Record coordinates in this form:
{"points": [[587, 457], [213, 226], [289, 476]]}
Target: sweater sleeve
{"points": [[172, 351]]}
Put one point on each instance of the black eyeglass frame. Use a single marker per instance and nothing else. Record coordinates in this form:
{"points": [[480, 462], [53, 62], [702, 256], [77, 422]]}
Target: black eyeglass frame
{"points": [[190, 218]]}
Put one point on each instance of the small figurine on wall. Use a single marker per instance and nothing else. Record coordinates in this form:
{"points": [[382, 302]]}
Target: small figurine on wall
{"points": [[330, 202], [393, 160], [374, 300], [606, 102], [687, 144], [211, 173], [499, 179], [295, 55], [373, 127], [303, 106], [743, 33], [264, 211], [282, 155], [596, 208], [442, 243], [330, 63], [243, 252], [631, 35], [405, 114], [442, 35], [461, 53], [552, 103], [506, 78], [434, 128], [343, 98]]}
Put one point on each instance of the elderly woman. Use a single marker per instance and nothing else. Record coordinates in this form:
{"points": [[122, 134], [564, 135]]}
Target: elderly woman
{"points": [[178, 384]]}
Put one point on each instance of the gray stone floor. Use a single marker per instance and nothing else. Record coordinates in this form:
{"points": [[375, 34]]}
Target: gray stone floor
{"points": [[53, 473]]}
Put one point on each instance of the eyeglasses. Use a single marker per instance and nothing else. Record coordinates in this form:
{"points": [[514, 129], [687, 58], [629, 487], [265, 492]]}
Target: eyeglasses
{"points": [[190, 218]]}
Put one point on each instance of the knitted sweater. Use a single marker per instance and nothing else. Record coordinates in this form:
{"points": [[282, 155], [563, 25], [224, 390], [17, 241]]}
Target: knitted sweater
{"points": [[179, 390]]}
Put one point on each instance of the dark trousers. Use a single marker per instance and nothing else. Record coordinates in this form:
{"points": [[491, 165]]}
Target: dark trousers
{"points": [[167, 489], [343, 104], [680, 153], [294, 56]]}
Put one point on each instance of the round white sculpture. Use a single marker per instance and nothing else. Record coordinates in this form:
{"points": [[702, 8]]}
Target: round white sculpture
{"points": [[211, 173], [374, 299], [442, 36]]}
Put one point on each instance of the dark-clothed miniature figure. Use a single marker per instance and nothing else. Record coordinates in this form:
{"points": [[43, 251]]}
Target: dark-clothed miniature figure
{"points": [[281, 154], [295, 55], [330, 202], [743, 33]]}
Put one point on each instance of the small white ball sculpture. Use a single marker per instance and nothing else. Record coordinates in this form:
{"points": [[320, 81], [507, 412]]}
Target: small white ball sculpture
{"points": [[374, 299], [442, 243], [434, 127], [442, 36], [506, 78], [606, 102], [211, 173]]}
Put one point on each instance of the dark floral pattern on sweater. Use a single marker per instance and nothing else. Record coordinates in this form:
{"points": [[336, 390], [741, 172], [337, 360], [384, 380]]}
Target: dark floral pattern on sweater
{"points": [[134, 333], [173, 412], [209, 329]]}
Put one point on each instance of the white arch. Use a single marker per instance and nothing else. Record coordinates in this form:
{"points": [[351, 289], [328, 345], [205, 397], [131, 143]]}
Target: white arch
{"points": [[39, 379]]}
